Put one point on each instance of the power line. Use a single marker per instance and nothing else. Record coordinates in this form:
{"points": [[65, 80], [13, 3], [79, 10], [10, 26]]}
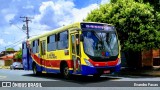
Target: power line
{"points": [[17, 27], [14, 44]]}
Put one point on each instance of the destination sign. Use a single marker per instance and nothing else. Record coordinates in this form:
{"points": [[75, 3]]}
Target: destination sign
{"points": [[95, 26]]}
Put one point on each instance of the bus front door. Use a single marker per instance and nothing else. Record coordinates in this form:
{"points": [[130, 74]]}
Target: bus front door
{"points": [[75, 48]]}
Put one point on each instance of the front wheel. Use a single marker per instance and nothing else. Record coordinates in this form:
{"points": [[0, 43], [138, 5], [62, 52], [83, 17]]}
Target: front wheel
{"points": [[97, 75], [65, 71]]}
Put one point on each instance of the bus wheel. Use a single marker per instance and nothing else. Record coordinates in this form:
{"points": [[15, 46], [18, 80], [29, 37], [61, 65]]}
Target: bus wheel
{"points": [[35, 72], [97, 75], [65, 71]]}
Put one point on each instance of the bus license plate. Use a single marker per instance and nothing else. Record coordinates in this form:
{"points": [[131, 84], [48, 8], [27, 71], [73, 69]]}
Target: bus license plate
{"points": [[106, 71]]}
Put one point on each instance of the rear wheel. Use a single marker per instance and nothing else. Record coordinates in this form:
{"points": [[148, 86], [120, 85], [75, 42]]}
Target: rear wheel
{"points": [[35, 72], [65, 71]]}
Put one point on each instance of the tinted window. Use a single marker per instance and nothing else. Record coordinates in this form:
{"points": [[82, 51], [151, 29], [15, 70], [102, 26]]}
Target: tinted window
{"points": [[51, 43], [35, 46], [62, 39], [24, 48]]}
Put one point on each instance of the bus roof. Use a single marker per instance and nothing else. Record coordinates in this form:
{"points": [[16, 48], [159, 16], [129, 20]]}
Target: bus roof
{"points": [[77, 24], [55, 31]]}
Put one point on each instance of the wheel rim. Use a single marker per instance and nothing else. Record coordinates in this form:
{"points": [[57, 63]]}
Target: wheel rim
{"points": [[66, 71], [34, 70]]}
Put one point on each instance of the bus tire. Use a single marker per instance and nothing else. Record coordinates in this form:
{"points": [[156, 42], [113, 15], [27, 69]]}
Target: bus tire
{"points": [[65, 71], [97, 75], [35, 72]]}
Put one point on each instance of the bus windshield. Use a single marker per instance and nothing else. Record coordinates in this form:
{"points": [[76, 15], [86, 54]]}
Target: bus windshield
{"points": [[100, 44]]}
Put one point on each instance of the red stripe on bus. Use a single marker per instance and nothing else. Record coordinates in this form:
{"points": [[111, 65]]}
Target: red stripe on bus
{"points": [[51, 63], [108, 63]]}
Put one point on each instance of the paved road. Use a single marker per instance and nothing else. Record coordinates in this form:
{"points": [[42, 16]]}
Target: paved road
{"points": [[80, 81]]}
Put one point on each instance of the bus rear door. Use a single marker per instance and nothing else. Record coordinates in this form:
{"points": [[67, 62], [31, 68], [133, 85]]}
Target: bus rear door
{"points": [[25, 56]]}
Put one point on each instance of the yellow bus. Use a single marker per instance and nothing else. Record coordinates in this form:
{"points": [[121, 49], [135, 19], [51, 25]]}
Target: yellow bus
{"points": [[85, 48]]}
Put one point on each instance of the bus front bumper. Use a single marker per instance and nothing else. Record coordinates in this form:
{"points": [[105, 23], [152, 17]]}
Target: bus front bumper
{"points": [[87, 70]]}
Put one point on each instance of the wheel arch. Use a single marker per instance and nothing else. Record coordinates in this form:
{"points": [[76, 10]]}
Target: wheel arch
{"points": [[62, 63], [33, 63]]}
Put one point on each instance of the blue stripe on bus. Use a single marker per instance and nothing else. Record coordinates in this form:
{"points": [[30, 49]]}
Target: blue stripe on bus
{"points": [[87, 70], [48, 70]]}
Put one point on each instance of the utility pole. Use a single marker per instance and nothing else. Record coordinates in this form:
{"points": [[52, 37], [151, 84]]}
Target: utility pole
{"points": [[27, 28]]}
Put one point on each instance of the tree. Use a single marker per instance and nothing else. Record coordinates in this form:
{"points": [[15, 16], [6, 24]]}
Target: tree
{"points": [[10, 49], [137, 24], [18, 55], [154, 3]]}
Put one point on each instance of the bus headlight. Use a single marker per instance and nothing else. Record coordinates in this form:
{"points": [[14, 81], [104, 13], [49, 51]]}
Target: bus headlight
{"points": [[88, 63], [119, 61]]}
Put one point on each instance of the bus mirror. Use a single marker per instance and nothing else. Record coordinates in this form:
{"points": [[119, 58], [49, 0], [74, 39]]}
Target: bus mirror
{"points": [[81, 38]]}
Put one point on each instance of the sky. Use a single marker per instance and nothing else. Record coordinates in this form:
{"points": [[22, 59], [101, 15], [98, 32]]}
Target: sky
{"points": [[45, 15]]}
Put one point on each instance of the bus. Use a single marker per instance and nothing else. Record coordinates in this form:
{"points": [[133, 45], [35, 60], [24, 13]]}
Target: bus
{"points": [[82, 48]]}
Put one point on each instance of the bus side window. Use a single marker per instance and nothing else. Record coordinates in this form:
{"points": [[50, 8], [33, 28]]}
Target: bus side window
{"points": [[62, 40], [35, 46], [51, 43]]}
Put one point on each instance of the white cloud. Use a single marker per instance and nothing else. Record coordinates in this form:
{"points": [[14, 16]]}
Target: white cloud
{"points": [[6, 32], [80, 14], [8, 17], [4, 11], [2, 41], [105, 1], [3, 44], [11, 35], [62, 13]]}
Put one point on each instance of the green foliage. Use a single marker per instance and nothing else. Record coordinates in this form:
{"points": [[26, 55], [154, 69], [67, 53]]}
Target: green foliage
{"points": [[137, 23], [113, 1], [19, 54], [154, 3], [10, 49]]}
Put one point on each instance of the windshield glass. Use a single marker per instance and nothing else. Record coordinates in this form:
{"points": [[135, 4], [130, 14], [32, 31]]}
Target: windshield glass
{"points": [[100, 44]]}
